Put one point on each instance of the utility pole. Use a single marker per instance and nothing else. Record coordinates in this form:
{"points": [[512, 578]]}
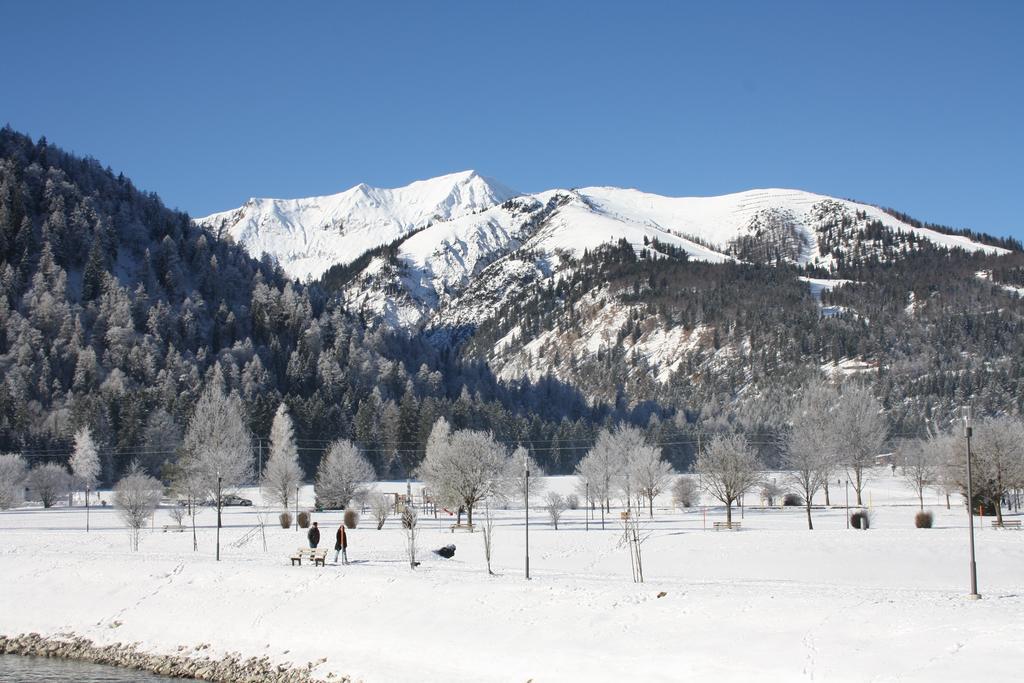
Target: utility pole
{"points": [[526, 500], [218, 515], [968, 432]]}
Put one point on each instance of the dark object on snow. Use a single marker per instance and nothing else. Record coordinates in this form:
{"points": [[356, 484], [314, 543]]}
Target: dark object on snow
{"points": [[314, 536], [792, 500], [923, 519], [447, 552], [860, 519]]}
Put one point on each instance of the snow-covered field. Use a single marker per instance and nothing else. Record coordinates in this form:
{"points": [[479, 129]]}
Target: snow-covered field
{"points": [[773, 602]]}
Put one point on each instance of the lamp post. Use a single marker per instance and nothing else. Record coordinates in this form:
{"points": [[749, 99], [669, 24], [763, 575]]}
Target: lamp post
{"points": [[218, 515], [87, 508], [526, 501], [847, 503], [586, 506], [296, 508], [968, 432]]}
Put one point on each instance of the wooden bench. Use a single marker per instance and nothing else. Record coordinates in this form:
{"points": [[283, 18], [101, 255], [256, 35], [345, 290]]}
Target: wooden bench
{"points": [[1006, 524], [318, 556], [173, 527], [734, 526], [462, 526]]}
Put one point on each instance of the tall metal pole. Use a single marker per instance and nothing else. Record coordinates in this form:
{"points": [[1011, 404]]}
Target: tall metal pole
{"points": [[296, 508], [218, 517], [526, 500], [847, 503], [968, 432], [86, 508]]}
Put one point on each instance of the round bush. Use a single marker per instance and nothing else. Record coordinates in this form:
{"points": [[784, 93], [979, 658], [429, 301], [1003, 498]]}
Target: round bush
{"points": [[860, 519], [572, 501], [351, 518], [792, 500], [304, 520], [286, 520], [924, 519]]}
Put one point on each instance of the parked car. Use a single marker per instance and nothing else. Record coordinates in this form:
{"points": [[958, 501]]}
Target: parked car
{"points": [[228, 500]]}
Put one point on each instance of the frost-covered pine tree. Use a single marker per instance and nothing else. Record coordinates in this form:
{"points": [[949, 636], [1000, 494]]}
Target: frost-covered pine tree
{"points": [[85, 461], [464, 468], [343, 476], [218, 446], [283, 472], [12, 480], [136, 497], [728, 468]]}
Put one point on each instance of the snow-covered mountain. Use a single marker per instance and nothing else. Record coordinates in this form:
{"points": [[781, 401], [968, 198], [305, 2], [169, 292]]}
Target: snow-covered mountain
{"points": [[527, 237], [308, 236]]}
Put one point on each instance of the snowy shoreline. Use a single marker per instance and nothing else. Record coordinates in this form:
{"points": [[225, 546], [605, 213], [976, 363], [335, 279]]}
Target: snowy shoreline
{"points": [[231, 668]]}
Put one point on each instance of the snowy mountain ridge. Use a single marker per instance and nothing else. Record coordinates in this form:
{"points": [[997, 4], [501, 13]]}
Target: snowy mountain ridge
{"points": [[309, 235]]}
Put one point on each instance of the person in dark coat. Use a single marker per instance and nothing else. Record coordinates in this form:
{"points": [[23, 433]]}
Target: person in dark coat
{"points": [[341, 545], [313, 536]]}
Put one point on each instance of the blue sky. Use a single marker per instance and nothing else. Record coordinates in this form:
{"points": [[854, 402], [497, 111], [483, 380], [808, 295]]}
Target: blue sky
{"points": [[913, 105]]}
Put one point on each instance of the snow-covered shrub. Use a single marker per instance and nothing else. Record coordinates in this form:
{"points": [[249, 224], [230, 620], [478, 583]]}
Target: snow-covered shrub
{"points": [[684, 492], [792, 500], [860, 519], [136, 497], [923, 519], [572, 501], [12, 480], [381, 508], [48, 482], [304, 520], [285, 518], [351, 518]]}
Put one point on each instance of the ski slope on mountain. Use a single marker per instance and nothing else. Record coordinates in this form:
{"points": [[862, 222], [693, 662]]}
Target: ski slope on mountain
{"points": [[310, 235]]}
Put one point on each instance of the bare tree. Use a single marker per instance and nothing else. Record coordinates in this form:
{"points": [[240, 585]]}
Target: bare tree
{"points": [[809, 447], [410, 521], [343, 476], [85, 461], [919, 465], [601, 468], [381, 508], [465, 468], [555, 505], [13, 472], [48, 482], [177, 512], [136, 497], [728, 468], [488, 533], [650, 473], [685, 491], [998, 451], [861, 431], [218, 446], [283, 473], [516, 475]]}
